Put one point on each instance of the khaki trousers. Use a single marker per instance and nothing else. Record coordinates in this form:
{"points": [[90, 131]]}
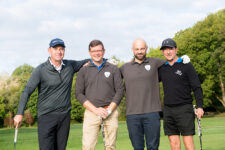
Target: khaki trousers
{"points": [[92, 126]]}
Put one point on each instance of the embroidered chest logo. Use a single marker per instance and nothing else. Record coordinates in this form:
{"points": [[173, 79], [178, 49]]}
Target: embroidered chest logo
{"points": [[147, 67], [107, 74], [178, 72]]}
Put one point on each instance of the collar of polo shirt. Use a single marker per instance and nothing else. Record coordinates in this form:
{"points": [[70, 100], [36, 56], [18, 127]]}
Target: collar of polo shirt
{"points": [[145, 61], [178, 61], [57, 68]]}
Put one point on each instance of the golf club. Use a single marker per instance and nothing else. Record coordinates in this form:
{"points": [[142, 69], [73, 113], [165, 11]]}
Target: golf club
{"points": [[15, 137], [103, 132], [199, 129]]}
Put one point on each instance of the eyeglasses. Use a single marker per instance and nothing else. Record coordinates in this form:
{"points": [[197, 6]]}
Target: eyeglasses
{"points": [[96, 51]]}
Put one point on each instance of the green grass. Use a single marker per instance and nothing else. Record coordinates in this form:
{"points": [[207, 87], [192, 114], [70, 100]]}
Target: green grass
{"points": [[213, 130]]}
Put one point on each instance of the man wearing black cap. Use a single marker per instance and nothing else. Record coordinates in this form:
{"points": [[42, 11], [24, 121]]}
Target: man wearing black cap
{"points": [[178, 81], [53, 79]]}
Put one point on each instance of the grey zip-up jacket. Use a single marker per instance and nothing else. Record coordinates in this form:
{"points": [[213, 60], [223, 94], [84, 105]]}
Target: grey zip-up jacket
{"points": [[54, 88]]}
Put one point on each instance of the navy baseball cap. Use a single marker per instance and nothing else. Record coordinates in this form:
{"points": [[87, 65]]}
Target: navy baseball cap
{"points": [[168, 43], [56, 41]]}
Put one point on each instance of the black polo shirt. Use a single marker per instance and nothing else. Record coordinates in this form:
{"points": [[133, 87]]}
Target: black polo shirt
{"points": [[142, 86]]}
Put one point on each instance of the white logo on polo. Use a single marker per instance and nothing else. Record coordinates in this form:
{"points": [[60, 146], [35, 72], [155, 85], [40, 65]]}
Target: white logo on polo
{"points": [[107, 74], [147, 67], [178, 72]]}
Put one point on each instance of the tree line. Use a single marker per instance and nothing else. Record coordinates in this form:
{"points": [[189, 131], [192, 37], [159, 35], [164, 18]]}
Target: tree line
{"points": [[204, 43]]}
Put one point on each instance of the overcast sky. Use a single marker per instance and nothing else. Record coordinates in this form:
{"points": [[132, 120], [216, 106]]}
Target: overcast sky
{"points": [[27, 26]]}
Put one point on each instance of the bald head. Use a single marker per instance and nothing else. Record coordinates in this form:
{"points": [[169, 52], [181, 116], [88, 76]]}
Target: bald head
{"points": [[139, 42], [139, 48]]}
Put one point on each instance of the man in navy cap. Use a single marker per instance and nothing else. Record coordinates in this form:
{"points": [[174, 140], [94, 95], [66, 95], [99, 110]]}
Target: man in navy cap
{"points": [[53, 79], [179, 80]]}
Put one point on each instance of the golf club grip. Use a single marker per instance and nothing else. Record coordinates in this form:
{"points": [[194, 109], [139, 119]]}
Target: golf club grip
{"points": [[16, 132], [199, 127]]}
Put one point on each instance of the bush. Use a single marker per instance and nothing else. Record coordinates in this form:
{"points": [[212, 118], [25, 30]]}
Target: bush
{"points": [[8, 121]]}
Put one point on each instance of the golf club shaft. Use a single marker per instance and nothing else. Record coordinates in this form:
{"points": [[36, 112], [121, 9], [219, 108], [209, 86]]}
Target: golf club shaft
{"points": [[199, 129], [15, 137], [199, 132], [103, 132], [200, 142]]}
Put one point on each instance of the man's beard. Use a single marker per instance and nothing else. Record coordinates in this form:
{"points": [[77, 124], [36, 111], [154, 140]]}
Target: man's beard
{"points": [[140, 58]]}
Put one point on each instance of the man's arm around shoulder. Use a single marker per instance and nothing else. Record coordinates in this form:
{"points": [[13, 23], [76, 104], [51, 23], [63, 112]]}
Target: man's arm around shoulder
{"points": [[78, 64]]}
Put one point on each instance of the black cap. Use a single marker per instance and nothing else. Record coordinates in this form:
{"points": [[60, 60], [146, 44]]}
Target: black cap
{"points": [[56, 41], [168, 43]]}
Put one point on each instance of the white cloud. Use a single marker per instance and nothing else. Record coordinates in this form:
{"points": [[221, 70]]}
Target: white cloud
{"points": [[27, 26]]}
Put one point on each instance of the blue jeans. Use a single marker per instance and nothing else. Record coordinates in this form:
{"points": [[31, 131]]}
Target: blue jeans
{"points": [[144, 125]]}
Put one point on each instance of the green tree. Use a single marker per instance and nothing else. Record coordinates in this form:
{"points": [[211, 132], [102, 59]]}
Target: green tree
{"points": [[77, 110], [15, 87], [21, 71], [122, 108], [19, 78], [155, 52], [2, 110], [204, 43]]}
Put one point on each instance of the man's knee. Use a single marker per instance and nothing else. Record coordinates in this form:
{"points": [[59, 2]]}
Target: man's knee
{"points": [[175, 142], [188, 142]]}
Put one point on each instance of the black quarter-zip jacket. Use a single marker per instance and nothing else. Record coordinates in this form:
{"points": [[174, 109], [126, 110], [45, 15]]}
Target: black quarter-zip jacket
{"points": [[54, 88]]}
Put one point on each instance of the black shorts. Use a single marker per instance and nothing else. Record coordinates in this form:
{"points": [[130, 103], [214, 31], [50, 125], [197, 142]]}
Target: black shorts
{"points": [[179, 120]]}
